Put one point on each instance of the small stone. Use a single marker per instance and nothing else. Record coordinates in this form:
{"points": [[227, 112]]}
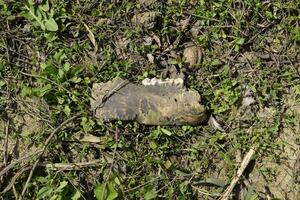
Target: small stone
{"points": [[148, 40], [146, 82], [247, 101], [192, 55], [150, 58], [153, 81], [146, 19]]}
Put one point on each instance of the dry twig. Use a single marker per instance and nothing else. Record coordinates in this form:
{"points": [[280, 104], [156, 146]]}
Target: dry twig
{"points": [[14, 179], [6, 144], [12, 164], [240, 172], [70, 166]]}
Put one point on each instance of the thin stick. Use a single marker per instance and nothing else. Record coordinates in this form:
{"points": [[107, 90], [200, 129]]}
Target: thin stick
{"points": [[70, 166], [240, 172], [6, 144], [14, 178], [42, 152], [12, 164]]}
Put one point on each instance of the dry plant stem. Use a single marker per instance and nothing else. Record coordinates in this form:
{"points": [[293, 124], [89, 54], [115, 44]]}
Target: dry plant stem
{"points": [[13, 180], [42, 152], [15, 192], [70, 166], [6, 144], [12, 164], [240, 172]]}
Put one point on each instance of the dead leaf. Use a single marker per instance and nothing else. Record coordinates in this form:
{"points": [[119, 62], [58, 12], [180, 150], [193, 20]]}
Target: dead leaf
{"points": [[247, 101], [184, 23], [213, 122], [145, 19]]}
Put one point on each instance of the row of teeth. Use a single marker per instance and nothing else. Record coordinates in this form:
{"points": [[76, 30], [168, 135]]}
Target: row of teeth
{"points": [[155, 81]]}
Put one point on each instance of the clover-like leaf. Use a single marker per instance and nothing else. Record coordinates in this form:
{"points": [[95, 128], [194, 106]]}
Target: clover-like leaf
{"points": [[51, 25]]}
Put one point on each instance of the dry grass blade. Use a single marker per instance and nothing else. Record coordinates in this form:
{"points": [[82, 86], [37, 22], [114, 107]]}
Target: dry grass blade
{"points": [[6, 143], [240, 172], [71, 166], [91, 37]]}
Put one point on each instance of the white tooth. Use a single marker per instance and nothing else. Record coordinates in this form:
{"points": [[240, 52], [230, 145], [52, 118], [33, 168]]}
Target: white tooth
{"points": [[178, 81], [163, 83], [160, 82], [146, 82], [153, 81], [171, 81]]}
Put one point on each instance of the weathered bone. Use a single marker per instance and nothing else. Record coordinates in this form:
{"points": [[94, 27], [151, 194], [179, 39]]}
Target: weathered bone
{"points": [[156, 102]]}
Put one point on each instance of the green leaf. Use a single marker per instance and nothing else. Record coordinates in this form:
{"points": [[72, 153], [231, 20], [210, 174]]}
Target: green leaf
{"points": [[50, 36], [39, 15], [153, 144], [87, 124], [30, 2], [62, 185], [30, 15], [2, 83], [113, 194], [26, 91], [226, 70], [77, 195], [59, 56], [41, 179], [105, 192], [76, 79], [40, 92], [167, 164], [100, 192], [61, 73], [45, 6], [67, 66], [44, 192], [67, 110], [166, 132], [240, 41], [251, 195], [150, 194], [51, 25], [55, 197], [49, 70]]}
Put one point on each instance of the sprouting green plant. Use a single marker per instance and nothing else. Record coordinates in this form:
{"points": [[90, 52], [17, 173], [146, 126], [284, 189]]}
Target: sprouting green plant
{"points": [[295, 33], [41, 16], [225, 97], [108, 191], [56, 190]]}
